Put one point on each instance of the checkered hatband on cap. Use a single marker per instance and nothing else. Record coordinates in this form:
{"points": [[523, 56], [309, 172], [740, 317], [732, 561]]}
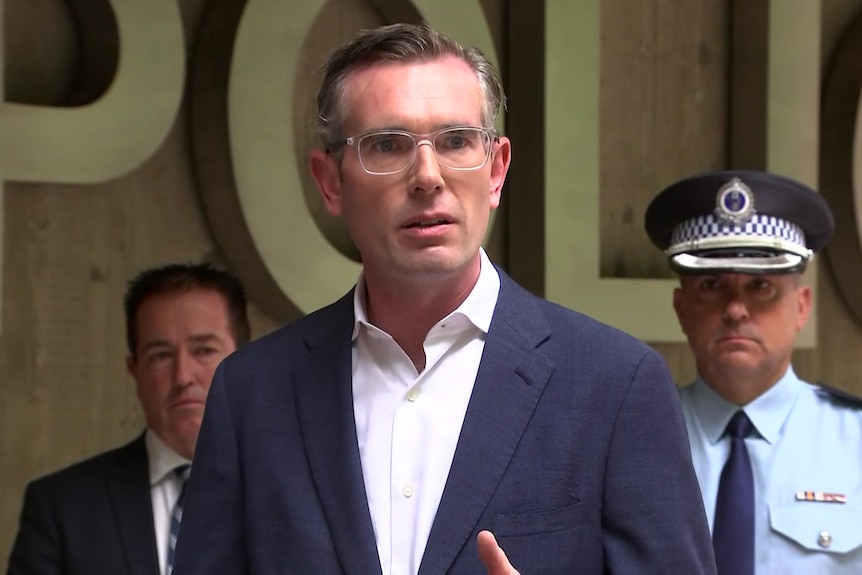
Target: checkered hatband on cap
{"points": [[764, 231]]}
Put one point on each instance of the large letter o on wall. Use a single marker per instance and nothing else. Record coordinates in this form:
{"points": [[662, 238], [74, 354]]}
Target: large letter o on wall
{"points": [[250, 176], [841, 164]]}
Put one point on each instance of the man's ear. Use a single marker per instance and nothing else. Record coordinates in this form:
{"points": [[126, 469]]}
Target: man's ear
{"points": [[501, 158], [803, 306], [327, 175]]}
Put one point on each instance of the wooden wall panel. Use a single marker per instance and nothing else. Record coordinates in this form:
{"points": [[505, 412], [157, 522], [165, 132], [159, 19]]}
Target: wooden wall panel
{"points": [[41, 54], [664, 115]]}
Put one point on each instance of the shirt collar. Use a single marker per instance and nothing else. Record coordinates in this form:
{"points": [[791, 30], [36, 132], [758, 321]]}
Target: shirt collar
{"points": [[478, 308], [161, 458], [767, 413]]}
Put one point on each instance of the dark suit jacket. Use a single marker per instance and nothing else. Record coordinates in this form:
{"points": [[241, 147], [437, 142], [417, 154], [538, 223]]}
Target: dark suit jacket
{"points": [[573, 452], [93, 518]]}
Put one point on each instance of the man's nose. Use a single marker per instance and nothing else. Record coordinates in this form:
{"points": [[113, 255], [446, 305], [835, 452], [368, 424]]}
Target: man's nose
{"points": [[735, 311], [184, 369], [426, 167]]}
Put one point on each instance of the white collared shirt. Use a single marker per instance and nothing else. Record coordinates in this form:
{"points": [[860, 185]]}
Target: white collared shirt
{"points": [[408, 424], [165, 489]]}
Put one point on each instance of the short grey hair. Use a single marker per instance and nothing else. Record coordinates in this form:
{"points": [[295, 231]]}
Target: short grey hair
{"points": [[398, 43]]}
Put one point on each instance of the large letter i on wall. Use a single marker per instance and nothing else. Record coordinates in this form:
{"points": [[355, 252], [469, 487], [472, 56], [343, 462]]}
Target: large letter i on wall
{"points": [[573, 83]]}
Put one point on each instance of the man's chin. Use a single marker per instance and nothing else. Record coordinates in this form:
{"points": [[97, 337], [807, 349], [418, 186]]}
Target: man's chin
{"points": [[435, 261], [187, 424], [738, 360]]}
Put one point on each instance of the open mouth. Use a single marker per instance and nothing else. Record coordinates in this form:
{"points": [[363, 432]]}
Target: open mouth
{"points": [[428, 223]]}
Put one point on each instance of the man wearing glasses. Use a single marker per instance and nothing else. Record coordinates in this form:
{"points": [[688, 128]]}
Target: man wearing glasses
{"points": [[438, 408]]}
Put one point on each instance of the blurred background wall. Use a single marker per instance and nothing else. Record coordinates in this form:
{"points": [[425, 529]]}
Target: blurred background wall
{"points": [[139, 132]]}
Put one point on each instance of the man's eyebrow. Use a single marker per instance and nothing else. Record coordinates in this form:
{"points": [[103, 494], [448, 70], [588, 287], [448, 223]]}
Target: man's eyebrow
{"points": [[156, 343], [204, 337], [195, 338]]}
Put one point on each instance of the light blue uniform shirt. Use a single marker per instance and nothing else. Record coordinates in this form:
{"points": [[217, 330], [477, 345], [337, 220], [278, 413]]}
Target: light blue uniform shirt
{"points": [[807, 440]]}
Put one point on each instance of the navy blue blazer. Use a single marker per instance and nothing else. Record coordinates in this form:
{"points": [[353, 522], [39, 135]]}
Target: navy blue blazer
{"points": [[91, 518], [573, 452]]}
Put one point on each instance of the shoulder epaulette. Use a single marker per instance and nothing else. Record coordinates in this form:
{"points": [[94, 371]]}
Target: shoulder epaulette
{"points": [[841, 394]]}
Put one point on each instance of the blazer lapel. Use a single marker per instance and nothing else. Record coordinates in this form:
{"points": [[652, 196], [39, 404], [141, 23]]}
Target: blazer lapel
{"points": [[128, 485], [324, 395], [511, 378]]}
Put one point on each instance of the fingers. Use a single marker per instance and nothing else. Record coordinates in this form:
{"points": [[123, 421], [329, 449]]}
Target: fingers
{"points": [[492, 555]]}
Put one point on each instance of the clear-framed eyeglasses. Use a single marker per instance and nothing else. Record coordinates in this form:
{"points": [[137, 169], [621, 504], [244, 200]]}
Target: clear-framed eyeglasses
{"points": [[385, 152]]}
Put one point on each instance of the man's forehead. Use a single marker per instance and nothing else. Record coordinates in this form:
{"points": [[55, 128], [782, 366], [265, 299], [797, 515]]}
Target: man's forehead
{"points": [[385, 93]]}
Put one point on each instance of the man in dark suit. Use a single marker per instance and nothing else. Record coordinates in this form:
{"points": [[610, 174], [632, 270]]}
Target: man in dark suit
{"points": [[438, 407], [112, 514]]}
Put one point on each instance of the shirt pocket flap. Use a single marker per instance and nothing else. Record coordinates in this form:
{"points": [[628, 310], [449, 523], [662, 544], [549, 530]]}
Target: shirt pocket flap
{"points": [[825, 527]]}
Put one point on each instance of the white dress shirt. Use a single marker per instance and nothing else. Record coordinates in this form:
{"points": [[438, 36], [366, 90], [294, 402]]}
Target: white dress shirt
{"points": [[408, 423], [165, 489]]}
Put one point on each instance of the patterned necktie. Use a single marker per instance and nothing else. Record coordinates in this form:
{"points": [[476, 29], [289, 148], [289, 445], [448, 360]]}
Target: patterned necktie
{"points": [[733, 530], [177, 516]]}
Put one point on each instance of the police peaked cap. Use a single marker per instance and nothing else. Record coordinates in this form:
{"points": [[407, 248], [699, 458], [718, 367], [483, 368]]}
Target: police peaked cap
{"points": [[739, 221]]}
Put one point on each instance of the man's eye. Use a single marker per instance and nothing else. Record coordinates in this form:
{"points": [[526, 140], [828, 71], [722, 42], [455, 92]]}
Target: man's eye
{"points": [[762, 289], [455, 142], [385, 145]]}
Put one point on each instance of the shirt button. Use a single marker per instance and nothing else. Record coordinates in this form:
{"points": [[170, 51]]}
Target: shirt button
{"points": [[824, 539], [407, 490], [412, 394]]}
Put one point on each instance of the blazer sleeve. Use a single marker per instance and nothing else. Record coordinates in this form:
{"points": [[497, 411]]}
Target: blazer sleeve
{"points": [[653, 517], [37, 545], [211, 539]]}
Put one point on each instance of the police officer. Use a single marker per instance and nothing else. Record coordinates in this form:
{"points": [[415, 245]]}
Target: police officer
{"points": [[779, 460]]}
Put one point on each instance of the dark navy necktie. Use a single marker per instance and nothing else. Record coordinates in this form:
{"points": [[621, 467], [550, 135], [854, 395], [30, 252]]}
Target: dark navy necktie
{"points": [[733, 529], [177, 516]]}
